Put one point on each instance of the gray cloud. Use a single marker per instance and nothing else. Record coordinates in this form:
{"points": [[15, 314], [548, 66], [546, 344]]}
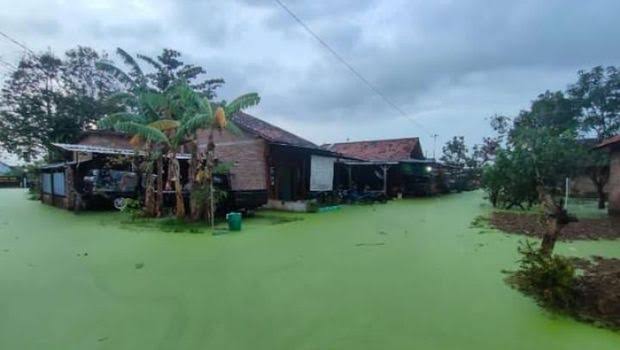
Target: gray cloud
{"points": [[450, 64]]}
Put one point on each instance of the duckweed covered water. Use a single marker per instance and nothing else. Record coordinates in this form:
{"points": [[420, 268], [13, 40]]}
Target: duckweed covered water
{"points": [[410, 274]]}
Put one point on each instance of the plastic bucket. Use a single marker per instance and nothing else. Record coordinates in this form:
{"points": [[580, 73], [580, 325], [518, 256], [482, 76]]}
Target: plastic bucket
{"points": [[234, 221]]}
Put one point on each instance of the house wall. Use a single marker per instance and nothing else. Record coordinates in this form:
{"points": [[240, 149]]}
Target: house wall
{"points": [[289, 169], [582, 186], [65, 199], [246, 152], [614, 182]]}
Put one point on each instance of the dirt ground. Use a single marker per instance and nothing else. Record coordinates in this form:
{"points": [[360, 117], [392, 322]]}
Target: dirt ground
{"points": [[598, 291], [597, 288], [530, 225]]}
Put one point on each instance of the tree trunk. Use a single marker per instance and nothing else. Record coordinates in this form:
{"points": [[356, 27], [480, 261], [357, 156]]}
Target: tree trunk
{"points": [[160, 186], [195, 207], [149, 195], [555, 218], [178, 187], [194, 203], [551, 235], [599, 176], [601, 195], [149, 190], [210, 168], [193, 162]]}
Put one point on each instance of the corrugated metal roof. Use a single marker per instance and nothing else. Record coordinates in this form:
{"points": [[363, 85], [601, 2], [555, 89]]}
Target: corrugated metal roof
{"points": [[107, 150], [56, 165]]}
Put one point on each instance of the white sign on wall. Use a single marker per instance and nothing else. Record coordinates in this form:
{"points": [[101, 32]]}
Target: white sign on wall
{"points": [[321, 173]]}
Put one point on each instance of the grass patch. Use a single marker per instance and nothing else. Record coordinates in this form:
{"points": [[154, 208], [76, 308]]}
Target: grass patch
{"points": [[480, 221], [171, 224]]}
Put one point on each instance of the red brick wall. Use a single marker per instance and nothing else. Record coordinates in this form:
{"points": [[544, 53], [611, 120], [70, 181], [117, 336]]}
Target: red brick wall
{"points": [[247, 153], [614, 182]]}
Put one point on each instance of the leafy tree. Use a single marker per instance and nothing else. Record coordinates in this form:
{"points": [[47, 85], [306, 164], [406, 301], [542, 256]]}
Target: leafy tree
{"points": [[552, 158], [142, 121], [167, 69], [163, 122], [597, 95], [48, 99], [219, 123], [509, 182], [466, 164], [158, 127], [541, 151], [455, 152], [200, 113], [166, 90], [552, 111]]}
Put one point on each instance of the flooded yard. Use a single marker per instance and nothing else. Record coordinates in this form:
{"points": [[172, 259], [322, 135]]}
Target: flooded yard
{"points": [[410, 274]]}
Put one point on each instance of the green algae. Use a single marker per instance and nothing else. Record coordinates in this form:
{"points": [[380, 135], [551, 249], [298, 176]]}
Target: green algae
{"points": [[433, 283]]}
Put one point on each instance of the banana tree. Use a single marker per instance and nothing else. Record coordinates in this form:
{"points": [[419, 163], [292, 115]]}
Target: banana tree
{"points": [[149, 116], [146, 137], [198, 113]]}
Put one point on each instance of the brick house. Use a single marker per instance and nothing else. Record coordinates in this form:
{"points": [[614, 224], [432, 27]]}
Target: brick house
{"points": [[287, 168], [612, 145], [269, 165]]}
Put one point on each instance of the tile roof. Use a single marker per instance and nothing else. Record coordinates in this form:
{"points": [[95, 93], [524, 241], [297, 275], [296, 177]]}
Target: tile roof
{"points": [[244, 121], [268, 131], [610, 141], [380, 150]]}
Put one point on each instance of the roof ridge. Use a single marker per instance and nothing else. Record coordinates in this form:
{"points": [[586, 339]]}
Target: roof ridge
{"points": [[376, 140], [264, 135]]}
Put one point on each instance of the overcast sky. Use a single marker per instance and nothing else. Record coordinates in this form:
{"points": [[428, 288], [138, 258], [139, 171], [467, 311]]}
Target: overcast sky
{"points": [[448, 64]]}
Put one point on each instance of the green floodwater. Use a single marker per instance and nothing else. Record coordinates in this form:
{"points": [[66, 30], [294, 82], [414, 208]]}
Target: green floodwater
{"points": [[410, 274]]}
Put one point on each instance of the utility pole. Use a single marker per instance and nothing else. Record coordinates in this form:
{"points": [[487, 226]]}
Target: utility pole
{"points": [[434, 145]]}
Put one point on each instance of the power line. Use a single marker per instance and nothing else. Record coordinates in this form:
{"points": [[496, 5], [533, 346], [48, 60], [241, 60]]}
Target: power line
{"points": [[16, 42], [349, 66], [7, 64]]}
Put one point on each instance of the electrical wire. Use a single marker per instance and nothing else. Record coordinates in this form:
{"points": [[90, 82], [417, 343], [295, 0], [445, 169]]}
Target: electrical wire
{"points": [[352, 69]]}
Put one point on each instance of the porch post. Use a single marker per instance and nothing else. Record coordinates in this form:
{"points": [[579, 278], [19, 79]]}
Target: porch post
{"points": [[350, 177], [385, 179]]}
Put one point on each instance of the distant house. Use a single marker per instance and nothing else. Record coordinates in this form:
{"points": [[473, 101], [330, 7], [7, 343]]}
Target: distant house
{"points": [[393, 166], [7, 179], [5, 168], [269, 165], [582, 185], [612, 145]]}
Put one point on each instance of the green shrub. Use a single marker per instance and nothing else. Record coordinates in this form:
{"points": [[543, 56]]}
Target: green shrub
{"points": [[313, 207], [549, 278], [34, 194], [133, 207], [479, 221]]}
